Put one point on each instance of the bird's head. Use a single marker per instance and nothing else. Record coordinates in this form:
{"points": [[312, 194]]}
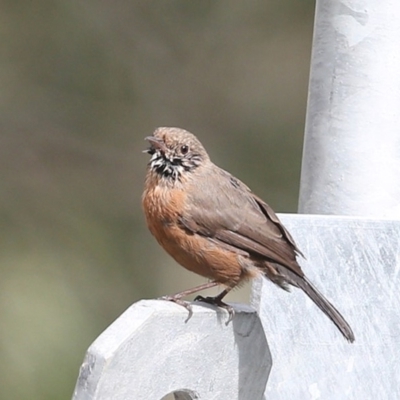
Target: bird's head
{"points": [[174, 152]]}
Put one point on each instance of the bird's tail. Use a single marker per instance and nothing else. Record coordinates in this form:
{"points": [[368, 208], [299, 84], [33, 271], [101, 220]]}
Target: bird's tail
{"points": [[323, 304]]}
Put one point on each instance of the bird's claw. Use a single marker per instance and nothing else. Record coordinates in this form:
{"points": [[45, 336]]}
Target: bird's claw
{"points": [[183, 303], [215, 301]]}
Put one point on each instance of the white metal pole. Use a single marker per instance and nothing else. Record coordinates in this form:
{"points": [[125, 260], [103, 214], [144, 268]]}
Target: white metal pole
{"points": [[351, 158]]}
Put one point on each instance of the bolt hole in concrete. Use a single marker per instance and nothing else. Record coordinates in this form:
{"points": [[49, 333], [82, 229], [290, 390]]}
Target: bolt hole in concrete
{"points": [[181, 395]]}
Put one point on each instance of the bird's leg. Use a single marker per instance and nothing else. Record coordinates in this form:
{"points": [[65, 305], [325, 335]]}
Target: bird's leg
{"points": [[177, 298], [217, 301]]}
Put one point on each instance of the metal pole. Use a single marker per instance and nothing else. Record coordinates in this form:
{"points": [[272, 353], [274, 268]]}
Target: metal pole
{"points": [[351, 157]]}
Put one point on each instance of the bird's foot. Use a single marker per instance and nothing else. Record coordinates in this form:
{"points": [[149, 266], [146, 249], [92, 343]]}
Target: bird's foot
{"points": [[216, 301], [183, 303]]}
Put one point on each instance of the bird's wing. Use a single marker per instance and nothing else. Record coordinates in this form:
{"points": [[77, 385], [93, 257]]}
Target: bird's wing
{"points": [[224, 209]]}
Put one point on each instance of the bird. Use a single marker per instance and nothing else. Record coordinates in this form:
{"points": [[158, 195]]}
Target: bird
{"points": [[212, 224]]}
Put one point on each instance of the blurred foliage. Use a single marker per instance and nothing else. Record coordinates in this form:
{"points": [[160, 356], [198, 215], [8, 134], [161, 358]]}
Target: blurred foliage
{"points": [[82, 83]]}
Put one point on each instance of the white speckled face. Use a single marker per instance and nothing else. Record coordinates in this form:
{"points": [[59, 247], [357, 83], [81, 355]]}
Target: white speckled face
{"points": [[165, 165], [174, 151]]}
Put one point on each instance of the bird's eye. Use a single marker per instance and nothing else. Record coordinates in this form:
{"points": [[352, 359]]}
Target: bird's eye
{"points": [[184, 149]]}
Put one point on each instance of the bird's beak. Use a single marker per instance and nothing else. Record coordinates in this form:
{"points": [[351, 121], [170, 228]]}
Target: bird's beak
{"points": [[155, 144]]}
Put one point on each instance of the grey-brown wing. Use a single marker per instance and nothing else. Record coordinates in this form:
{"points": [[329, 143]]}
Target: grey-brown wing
{"points": [[224, 209]]}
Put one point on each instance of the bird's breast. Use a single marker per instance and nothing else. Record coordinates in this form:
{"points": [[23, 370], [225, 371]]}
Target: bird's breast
{"points": [[163, 208]]}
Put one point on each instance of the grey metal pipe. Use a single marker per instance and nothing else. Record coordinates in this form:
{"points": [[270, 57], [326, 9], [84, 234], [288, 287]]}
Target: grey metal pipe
{"points": [[351, 157]]}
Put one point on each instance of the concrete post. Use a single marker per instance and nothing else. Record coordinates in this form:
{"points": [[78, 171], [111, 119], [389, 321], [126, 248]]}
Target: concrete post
{"points": [[150, 352], [351, 167]]}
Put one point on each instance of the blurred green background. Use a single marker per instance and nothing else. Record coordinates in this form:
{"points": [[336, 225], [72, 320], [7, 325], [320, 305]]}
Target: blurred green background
{"points": [[82, 83]]}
